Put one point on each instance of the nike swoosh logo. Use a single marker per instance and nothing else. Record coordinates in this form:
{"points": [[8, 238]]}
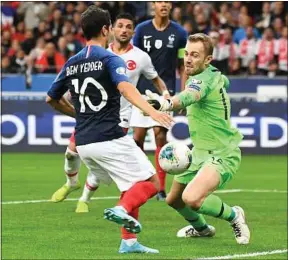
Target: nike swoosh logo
{"points": [[147, 37]]}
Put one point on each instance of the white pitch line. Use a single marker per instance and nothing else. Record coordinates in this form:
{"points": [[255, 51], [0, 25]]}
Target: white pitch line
{"points": [[115, 197], [274, 252], [40, 201]]}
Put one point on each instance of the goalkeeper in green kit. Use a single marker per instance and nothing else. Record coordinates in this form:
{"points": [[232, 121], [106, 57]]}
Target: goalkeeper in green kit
{"points": [[216, 156]]}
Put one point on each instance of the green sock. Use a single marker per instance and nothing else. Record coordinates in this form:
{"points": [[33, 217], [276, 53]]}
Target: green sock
{"points": [[213, 206], [195, 219]]}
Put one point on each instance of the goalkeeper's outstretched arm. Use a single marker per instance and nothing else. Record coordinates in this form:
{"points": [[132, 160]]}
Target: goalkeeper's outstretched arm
{"points": [[178, 102]]}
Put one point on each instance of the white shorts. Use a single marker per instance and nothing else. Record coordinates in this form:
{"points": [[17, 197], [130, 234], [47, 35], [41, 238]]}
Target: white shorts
{"points": [[119, 160], [139, 120]]}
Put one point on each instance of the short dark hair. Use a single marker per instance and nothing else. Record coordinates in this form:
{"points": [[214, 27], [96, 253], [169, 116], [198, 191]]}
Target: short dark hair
{"points": [[93, 20], [125, 16], [205, 39]]}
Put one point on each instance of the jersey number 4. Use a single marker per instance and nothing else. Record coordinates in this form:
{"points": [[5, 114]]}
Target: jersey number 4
{"points": [[85, 99]]}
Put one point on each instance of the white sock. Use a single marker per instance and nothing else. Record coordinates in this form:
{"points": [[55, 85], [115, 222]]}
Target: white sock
{"points": [[87, 194], [71, 167], [131, 241]]}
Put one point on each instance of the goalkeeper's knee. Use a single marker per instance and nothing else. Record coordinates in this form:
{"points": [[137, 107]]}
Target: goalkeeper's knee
{"points": [[72, 161]]}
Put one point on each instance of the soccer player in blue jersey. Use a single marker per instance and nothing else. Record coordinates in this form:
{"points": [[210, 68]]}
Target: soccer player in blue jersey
{"points": [[96, 78], [164, 41]]}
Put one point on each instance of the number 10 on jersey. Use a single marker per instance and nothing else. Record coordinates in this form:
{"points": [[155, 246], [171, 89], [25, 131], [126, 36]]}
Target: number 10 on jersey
{"points": [[85, 98]]}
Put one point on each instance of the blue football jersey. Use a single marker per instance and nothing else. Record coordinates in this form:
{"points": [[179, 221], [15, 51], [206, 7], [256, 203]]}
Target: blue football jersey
{"points": [[162, 46], [92, 76]]}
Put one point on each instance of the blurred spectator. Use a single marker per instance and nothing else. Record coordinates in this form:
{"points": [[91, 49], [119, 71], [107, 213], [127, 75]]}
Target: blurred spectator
{"points": [[223, 14], [202, 24], [277, 27], [266, 49], [247, 48], [230, 47], [37, 52], [264, 20], [19, 33], [81, 7], [33, 12], [15, 46], [6, 40], [40, 30], [252, 68], [272, 69], [220, 54], [235, 68], [6, 65], [177, 15], [69, 11], [68, 27], [235, 10], [56, 24], [278, 10], [51, 61], [19, 64], [187, 25], [282, 52], [62, 48], [73, 45], [29, 42], [240, 33]]}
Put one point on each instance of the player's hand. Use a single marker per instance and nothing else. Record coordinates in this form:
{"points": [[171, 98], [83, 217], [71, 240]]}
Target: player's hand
{"points": [[166, 94], [158, 102], [162, 118]]}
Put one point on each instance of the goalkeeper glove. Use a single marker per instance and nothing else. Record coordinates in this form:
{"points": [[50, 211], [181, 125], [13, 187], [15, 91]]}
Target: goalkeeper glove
{"points": [[158, 102]]}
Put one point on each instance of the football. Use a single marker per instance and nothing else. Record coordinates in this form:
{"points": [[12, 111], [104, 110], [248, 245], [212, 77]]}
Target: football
{"points": [[175, 158]]}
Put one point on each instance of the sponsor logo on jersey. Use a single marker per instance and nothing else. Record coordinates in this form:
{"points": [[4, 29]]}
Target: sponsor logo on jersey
{"points": [[171, 40], [158, 44], [121, 71], [131, 64]]}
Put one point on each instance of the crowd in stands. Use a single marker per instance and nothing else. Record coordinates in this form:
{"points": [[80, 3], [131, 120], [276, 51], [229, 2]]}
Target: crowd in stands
{"points": [[250, 38]]}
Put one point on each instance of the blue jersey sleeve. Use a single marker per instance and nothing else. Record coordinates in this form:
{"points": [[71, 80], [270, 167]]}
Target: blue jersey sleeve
{"points": [[183, 39], [117, 70], [58, 88], [137, 37]]}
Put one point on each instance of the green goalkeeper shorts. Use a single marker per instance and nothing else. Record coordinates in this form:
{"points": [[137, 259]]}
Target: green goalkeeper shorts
{"points": [[227, 164]]}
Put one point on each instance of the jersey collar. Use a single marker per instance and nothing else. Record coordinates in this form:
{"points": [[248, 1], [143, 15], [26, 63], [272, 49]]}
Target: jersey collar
{"points": [[129, 47]]}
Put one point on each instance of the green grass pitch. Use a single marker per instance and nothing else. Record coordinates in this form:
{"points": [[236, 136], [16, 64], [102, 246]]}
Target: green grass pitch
{"points": [[54, 231]]}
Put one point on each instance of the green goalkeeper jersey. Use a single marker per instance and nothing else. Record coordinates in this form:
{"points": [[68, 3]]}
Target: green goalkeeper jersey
{"points": [[209, 117]]}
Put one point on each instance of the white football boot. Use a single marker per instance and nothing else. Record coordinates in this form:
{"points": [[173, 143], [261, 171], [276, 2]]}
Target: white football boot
{"points": [[190, 231], [239, 226]]}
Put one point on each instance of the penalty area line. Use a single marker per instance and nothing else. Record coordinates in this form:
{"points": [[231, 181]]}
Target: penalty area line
{"points": [[241, 256], [117, 197]]}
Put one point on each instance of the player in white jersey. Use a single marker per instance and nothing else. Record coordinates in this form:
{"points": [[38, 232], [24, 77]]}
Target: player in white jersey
{"points": [[138, 62]]}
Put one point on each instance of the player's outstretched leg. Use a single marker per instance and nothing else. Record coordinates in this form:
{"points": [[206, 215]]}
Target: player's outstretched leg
{"points": [[196, 196], [129, 243], [71, 167], [198, 226], [160, 139], [133, 198], [90, 187]]}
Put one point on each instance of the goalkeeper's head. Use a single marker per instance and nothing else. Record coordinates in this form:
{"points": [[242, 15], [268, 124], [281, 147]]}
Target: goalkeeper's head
{"points": [[198, 53]]}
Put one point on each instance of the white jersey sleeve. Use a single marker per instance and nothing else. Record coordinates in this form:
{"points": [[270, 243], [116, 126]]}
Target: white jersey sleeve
{"points": [[148, 69]]}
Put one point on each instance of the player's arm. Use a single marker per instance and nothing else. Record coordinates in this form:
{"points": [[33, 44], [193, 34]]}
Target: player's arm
{"points": [[117, 69], [55, 96], [160, 85], [193, 93], [62, 106], [151, 74]]}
